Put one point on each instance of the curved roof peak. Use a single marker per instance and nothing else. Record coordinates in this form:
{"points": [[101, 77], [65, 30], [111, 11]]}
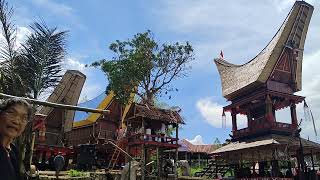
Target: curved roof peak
{"points": [[291, 34]]}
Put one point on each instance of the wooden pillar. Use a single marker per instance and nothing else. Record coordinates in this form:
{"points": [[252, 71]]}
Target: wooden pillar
{"points": [[143, 152], [176, 155], [126, 158], [275, 168], [293, 112], [300, 159], [249, 118], [234, 119], [312, 160], [159, 165], [63, 129], [199, 163], [262, 166], [269, 109]]}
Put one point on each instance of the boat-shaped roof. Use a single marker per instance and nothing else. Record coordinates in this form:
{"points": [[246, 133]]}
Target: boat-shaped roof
{"points": [[237, 79]]}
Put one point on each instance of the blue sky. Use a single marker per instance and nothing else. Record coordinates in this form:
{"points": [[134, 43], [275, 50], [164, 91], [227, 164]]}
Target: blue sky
{"points": [[239, 28]]}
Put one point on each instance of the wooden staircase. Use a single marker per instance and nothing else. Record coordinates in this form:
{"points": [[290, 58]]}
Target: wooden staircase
{"points": [[121, 143], [214, 169]]}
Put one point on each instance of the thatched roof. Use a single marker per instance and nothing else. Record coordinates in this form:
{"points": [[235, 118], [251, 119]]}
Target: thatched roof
{"points": [[153, 113], [239, 78]]}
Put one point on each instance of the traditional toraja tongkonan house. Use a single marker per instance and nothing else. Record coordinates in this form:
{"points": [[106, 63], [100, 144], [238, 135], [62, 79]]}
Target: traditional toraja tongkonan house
{"points": [[97, 126], [149, 134], [257, 89], [196, 155], [51, 124], [94, 132]]}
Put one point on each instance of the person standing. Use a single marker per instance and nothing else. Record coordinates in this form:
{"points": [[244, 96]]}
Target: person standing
{"points": [[14, 116], [58, 163]]}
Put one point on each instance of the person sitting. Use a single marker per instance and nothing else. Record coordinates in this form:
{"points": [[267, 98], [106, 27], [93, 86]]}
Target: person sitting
{"points": [[14, 116]]}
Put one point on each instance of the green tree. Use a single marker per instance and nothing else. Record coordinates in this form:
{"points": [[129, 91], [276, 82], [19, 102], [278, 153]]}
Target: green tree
{"points": [[43, 54], [142, 66], [10, 79], [217, 141]]}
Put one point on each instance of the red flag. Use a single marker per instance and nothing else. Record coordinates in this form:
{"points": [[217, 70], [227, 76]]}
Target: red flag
{"points": [[221, 54]]}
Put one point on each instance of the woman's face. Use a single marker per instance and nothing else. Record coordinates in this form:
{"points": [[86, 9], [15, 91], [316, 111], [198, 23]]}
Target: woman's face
{"points": [[13, 121]]}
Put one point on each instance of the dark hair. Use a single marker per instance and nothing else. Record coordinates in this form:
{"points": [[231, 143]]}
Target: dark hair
{"points": [[13, 101]]}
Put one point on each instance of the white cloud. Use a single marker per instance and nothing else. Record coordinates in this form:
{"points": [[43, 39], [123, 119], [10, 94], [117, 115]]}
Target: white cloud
{"points": [[196, 140], [92, 87], [284, 5], [22, 35], [212, 114], [55, 7], [210, 16], [240, 28], [232, 26], [310, 89], [74, 64]]}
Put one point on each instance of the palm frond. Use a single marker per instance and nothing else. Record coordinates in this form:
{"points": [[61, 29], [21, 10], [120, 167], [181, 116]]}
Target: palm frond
{"points": [[44, 51]]}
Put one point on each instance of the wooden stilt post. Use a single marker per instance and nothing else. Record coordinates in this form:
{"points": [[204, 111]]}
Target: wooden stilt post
{"points": [[143, 155], [249, 118], [293, 112], [207, 161], [159, 165], [234, 119], [176, 154], [312, 161]]}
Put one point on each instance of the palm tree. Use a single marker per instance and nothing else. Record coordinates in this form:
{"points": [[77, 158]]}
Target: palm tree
{"points": [[30, 69], [10, 80], [40, 63], [43, 54]]}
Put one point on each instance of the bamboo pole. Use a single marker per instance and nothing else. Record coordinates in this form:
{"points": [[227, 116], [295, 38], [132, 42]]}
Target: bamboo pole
{"points": [[56, 105]]}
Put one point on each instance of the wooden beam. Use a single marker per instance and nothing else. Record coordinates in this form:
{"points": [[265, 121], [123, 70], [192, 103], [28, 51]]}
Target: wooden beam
{"points": [[56, 105]]}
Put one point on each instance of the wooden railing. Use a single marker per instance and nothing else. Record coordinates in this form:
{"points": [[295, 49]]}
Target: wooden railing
{"points": [[138, 137], [256, 127]]}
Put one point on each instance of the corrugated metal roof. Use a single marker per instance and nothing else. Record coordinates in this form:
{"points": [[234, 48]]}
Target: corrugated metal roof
{"points": [[93, 103], [234, 146], [186, 146], [276, 140]]}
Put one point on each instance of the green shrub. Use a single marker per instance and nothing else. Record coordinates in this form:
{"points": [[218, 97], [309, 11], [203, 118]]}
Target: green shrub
{"points": [[75, 173], [196, 169]]}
